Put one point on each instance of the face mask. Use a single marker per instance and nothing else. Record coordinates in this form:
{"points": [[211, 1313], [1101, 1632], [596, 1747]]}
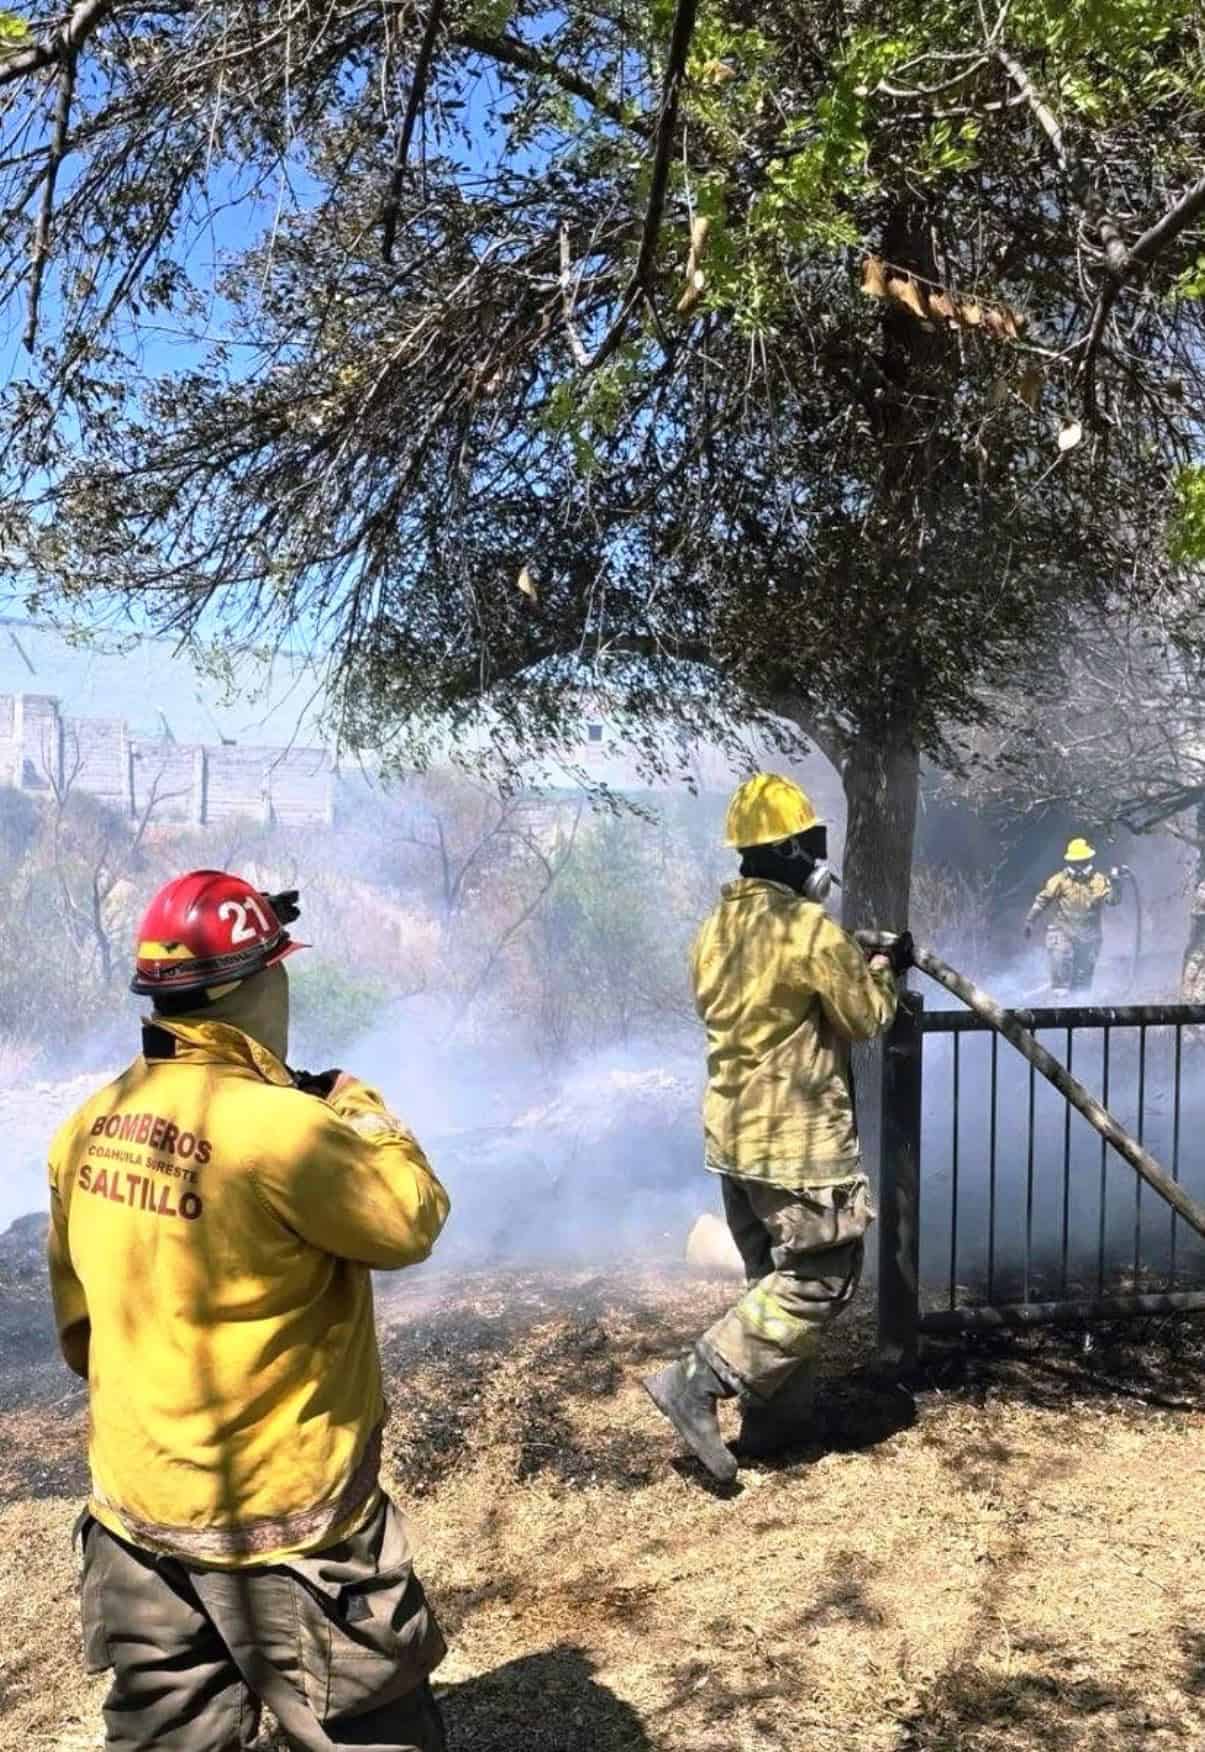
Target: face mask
{"points": [[799, 865]]}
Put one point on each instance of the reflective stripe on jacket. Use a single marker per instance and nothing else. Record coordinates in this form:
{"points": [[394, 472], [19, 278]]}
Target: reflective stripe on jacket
{"points": [[782, 991], [212, 1237]]}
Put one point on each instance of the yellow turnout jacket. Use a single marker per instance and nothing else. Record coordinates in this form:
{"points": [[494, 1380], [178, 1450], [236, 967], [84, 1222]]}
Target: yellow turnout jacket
{"points": [[782, 991], [212, 1235], [1074, 903]]}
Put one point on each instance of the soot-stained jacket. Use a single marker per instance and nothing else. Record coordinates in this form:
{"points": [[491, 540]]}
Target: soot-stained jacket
{"points": [[1073, 905], [782, 991]]}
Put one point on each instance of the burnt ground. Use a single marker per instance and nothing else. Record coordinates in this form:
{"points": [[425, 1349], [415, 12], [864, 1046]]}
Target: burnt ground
{"points": [[1005, 1553]]}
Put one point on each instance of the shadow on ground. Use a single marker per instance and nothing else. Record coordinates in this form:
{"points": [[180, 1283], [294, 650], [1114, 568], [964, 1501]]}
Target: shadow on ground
{"points": [[1037, 1703], [854, 1414], [550, 1702], [1158, 1362]]}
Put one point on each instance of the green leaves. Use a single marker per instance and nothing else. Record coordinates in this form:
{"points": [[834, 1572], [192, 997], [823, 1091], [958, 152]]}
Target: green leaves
{"points": [[14, 32], [1187, 536], [1191, 283]]}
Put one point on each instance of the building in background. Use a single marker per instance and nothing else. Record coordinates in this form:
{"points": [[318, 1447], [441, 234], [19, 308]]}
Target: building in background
{"points": [[131, 721], [43, 751]]}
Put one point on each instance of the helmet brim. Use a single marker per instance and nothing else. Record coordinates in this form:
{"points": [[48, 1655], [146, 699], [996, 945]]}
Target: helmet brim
{"points": [[282, 954], [209, 975], [773, 839]]}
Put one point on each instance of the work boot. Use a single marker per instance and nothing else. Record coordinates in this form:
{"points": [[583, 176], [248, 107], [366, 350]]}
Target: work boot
{"points": [[686, 1393], [770, 1426]]}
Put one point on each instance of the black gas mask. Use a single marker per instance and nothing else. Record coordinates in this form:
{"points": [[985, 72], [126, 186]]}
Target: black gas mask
{"points": [[800, 862]]}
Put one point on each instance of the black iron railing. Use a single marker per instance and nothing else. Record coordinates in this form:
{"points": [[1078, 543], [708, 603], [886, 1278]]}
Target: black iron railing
{"points": [[979, 1227]]}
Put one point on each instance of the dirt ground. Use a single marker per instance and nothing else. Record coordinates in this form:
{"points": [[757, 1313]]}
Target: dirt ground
{"points": [[1005, 1555]]}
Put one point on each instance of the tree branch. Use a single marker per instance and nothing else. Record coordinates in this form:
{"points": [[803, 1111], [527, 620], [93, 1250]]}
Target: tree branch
{"points": [[418, 90], [63, 45], [567, 299], [1123, 263], [41, 240], [511, 53], [1042, 111], [1152, 243], [675, 72]]}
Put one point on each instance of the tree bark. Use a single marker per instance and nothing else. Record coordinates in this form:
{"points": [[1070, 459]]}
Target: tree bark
{"points": [[1192, 968], [881, 777]]}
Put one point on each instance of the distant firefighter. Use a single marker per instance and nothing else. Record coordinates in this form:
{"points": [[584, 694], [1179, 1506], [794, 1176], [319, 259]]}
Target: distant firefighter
{"points": [[1192, 977], [1074, 900], [782, 991]]}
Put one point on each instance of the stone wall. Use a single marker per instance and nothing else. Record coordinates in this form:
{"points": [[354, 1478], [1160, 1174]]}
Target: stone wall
{"points": [[42, 752]]}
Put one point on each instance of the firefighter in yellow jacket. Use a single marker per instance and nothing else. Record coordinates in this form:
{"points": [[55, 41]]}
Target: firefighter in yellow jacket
{"points": [[215, 1219], [782, 991], [1073, 901]]}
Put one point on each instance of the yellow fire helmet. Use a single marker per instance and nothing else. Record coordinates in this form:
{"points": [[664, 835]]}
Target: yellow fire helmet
{"points": [[1079, 852], [767, 808]]}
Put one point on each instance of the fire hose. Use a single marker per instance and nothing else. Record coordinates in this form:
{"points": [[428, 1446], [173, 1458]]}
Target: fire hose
{"points": [[1005, 1022]]}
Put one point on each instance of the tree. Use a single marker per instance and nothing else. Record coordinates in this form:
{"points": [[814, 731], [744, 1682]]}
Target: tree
{"points": [[809, 361], [1111, 727], [94, 852]]}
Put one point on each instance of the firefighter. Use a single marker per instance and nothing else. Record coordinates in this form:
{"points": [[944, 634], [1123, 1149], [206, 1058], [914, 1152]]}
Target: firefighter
{"points": [[213, 1232], [1076, 896], [782, 992]]}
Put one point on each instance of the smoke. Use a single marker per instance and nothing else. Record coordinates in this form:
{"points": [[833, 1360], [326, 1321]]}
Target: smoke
{"points": [[1069, 1218], [549, 1064], [596, 1163], [1019, 1198]]}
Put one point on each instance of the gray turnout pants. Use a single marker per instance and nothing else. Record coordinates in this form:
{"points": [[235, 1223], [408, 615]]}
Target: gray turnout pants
{"points": [[338, 1644], [1072, 960], [803, 1262]]}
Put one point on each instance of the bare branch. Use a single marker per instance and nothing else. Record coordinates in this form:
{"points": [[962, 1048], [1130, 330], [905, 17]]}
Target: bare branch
{"points": [[41, 240], [1122, 263], [418, 90], [675, 72], [511, 53], [567, 297], [1042, 111]]}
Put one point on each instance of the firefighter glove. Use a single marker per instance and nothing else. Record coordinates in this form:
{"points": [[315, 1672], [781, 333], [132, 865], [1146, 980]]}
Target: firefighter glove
{"points": [[900, 952], [320, 1083]]}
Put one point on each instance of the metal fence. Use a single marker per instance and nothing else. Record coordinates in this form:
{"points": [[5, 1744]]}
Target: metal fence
{"points": [[1000, 1206]]}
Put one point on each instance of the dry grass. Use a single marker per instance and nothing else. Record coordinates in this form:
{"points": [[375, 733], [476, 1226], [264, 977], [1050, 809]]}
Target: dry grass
{"points": [[1013, 1559]]}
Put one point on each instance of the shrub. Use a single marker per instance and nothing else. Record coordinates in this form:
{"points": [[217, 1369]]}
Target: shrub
{"points": [[330, 1006]]}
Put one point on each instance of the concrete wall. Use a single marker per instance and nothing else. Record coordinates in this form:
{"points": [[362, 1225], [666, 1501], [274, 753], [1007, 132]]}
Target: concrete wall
{"points": [[42, 751]]}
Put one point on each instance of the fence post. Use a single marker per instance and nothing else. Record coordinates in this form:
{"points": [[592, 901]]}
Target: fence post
{"points": [[899, 1187]]}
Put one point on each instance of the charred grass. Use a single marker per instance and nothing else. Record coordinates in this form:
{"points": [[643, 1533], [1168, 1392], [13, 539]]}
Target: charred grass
{"points": [[1004, 1553]]}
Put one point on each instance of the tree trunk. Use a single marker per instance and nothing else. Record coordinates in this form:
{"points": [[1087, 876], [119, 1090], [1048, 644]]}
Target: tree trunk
{"points": [[881, 776], [1192, 970]]}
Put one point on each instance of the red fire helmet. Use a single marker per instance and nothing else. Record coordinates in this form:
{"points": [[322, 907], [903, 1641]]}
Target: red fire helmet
{"points": [[209, 928]]}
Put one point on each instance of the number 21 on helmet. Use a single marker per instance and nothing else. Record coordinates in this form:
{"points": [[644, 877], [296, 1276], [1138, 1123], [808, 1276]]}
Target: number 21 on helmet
{"points": [[210, 928]]}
